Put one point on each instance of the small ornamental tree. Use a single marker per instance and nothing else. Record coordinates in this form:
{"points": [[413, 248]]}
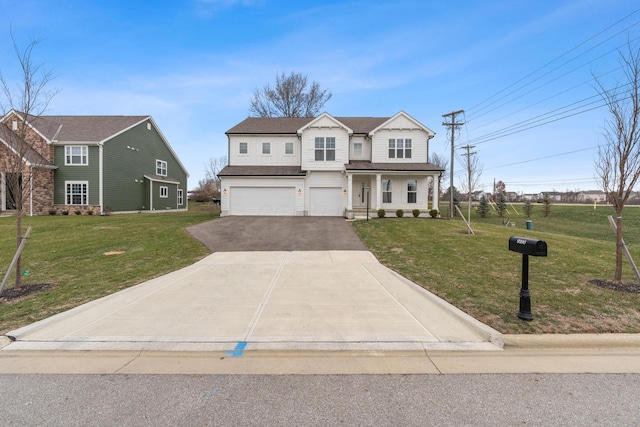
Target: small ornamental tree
{"points": [[501, 204], [527, 208], [483, 208]]}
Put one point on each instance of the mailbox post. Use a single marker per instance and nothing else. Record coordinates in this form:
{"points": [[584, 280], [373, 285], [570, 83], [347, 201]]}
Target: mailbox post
{"points": [[526, 247]]}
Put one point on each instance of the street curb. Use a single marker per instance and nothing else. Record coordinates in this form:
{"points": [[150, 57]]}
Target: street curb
{"points": [[485, 331], [571, 341]]}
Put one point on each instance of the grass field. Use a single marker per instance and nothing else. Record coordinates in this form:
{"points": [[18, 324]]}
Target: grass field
{"points": [[478, 273], [70, 252]]}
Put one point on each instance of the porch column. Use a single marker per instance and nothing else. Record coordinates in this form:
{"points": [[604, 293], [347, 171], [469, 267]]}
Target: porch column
{"points": [[378, 191], [436, 191], [349, 191]]}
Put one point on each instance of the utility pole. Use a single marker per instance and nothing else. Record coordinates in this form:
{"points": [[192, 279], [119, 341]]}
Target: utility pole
{"points": [[468, 155], [452, 128]]}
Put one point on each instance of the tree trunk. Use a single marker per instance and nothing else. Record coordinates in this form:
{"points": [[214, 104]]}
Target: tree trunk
{"points": [[618, 273], [18, 234]]}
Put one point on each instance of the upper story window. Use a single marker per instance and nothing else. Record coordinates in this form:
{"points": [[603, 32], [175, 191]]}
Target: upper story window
{"points": [[161, 168], [76, 155], [266, 148], [288, 148], [357, 150], [325, 148], [400, 148], [244, 148]]}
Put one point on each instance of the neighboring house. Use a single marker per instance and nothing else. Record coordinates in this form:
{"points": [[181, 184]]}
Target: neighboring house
{"points": [[98, 163], [328, 166], [592, 196]]}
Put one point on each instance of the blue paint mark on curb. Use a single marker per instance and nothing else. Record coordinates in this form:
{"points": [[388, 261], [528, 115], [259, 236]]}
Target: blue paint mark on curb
{"points": [[237, 352]]}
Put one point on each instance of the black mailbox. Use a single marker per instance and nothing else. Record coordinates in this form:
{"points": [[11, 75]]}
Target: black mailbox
{"points": [[526, 246]]}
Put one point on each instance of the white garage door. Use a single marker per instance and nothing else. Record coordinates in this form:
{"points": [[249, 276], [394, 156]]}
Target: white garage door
{"points": [[325, 201], [262, 201]]}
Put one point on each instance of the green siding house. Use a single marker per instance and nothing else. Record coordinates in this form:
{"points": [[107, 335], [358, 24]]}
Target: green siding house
{"points": [[111, 164]]}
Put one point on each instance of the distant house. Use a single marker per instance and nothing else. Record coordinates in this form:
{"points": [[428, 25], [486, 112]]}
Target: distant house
{"points": [[328, 166], [591, 196], [98, 163]]}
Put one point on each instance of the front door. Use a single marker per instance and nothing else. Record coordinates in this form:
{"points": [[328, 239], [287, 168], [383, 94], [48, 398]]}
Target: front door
{"points": [[360, 192]]}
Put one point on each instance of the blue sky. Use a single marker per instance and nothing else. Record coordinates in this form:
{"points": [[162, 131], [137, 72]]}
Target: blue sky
{"points": [[194, 64]]}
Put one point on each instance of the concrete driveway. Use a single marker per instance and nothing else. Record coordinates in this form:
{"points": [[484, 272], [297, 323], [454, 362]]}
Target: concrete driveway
{"points": [[272, 284]]}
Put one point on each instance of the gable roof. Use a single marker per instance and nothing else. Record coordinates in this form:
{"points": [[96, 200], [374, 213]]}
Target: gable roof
{"points": [[83, 128], [291, 125], [409, 118], [13, 141]]}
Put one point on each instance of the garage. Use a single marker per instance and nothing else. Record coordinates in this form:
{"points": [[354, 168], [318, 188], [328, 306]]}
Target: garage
{"points": [[325, 201], [262, 201]]}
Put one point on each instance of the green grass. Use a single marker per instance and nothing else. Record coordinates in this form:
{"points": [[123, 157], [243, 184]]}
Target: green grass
{"points": [[476, 273], [481, 276], [69, 251]]}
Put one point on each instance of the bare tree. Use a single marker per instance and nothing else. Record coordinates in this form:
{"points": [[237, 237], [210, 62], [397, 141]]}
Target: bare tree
{"points": [[22, 103], [291, 97], [442, 162], [209, 187], [618, 163], [474, 171]]}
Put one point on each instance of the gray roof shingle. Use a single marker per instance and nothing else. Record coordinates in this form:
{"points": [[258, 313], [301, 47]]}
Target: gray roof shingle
{"points": [[261, 171], [290, 125], [83, 128]]}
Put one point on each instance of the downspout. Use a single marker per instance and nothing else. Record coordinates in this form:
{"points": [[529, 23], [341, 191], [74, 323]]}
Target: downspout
{"points": [[150, 195], [100, 177], [30, 190]]}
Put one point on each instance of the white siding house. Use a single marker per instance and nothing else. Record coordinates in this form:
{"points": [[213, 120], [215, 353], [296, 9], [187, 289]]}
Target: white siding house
{"points": [[328, 166]]}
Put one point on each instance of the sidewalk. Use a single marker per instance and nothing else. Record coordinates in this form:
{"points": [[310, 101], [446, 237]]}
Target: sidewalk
{"points": [[553, 354]]}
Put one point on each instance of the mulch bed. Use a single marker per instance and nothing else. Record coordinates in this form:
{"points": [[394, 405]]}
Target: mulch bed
{"points": [[12, 294], [627, 288]]}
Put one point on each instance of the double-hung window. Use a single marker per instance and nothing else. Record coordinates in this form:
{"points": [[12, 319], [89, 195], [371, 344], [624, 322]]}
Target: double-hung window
{"points": [[161, 168], [76, 155], [325, 148], [164, 192], [266, 148], [244, 148], [288, 148], [76, 193], [399, 148], [357, 150], [412, 191], [180, 197], [386, 190]]}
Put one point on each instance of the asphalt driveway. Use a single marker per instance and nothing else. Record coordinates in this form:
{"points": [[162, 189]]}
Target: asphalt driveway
{"points": [[275, 233]]}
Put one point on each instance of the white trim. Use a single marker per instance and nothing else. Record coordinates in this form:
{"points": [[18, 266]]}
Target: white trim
{"points": [[180, 197], [330, 117], [166, 167], [83, 156], [165, 181], [66, 193], [163, 189], [403, 114], [101, 177]]}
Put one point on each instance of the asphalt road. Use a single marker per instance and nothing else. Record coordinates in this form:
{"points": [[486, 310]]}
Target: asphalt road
{"points": [[320, 400]]}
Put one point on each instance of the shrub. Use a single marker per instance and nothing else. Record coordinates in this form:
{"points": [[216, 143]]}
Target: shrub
{"points": [[416, 213], [381, 213], [89, 212], [107, 210], [65, 212], [52, 211], [78, 212], [399, 213], [433, 213], [483, 208], [527, 208]]}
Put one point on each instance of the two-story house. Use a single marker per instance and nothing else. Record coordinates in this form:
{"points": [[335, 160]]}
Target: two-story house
{"points": [[328, 166], [94, 163]]}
